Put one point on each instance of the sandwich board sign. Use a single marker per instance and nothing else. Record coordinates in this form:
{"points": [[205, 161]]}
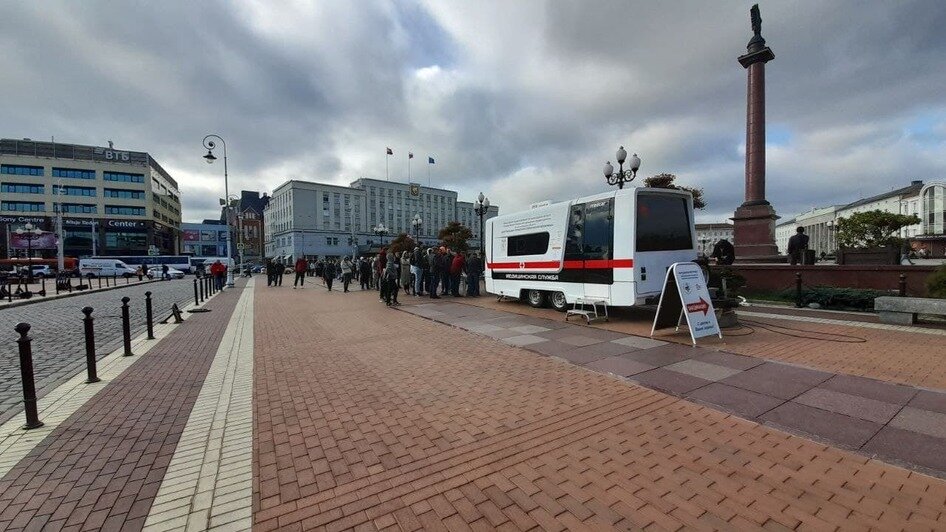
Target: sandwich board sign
{"points": [[685, 279]]}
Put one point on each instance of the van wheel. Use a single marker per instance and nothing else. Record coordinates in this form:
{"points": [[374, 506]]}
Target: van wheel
{"points": [[536, 298], [558, 301]]}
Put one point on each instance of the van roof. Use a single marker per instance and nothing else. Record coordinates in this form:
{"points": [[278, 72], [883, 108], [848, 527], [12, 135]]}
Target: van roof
{"points": [[603, 195]]}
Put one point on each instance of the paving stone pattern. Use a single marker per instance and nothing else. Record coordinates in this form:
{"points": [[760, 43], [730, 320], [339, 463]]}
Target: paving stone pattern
{"points": [[101, 469], [57, 331], [900, 424], [372, 419]]}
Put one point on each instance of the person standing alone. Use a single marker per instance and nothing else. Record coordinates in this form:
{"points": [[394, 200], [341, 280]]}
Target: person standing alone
{"points": [[797, 245], [300, 268]]}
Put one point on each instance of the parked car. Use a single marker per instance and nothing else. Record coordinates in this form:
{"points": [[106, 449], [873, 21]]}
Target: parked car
{"points": [[39, 271]]}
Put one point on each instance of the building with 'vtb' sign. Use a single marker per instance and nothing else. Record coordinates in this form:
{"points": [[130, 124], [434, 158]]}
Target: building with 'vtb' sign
{"points": [[112, 202]]}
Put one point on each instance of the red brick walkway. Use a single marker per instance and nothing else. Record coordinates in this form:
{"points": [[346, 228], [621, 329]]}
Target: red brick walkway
{"points": [[101, 468], [371, 418]]}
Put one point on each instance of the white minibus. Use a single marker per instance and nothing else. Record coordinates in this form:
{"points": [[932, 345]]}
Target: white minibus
{"points": [[613, 247]]}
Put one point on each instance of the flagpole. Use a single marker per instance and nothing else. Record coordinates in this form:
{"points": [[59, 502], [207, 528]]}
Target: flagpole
{"points": [[428, 172], [409, 168], [386, 156]]}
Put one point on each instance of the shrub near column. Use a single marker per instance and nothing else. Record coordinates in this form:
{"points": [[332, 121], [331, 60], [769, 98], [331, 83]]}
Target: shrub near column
{"points": [[936, 283]]}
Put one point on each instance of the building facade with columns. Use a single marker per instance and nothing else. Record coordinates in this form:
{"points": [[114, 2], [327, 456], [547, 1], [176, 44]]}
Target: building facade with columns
{"points": [[707, 235], [313, 219], [112, 201], [820, 222]]}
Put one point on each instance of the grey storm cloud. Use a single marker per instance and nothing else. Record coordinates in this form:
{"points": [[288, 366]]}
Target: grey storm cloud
{"points": [[524, 101]]}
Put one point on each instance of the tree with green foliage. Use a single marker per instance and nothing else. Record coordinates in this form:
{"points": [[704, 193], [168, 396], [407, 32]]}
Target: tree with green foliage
{"points": [[455, 236], [667, 181], [936, 283], [402, 242], [872, 229]]}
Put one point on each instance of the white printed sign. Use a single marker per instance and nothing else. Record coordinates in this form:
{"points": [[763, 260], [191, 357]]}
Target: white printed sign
{"points": [[694, 302]]}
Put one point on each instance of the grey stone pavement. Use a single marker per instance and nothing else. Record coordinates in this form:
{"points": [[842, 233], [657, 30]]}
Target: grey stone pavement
{"points": [[57, 331]]}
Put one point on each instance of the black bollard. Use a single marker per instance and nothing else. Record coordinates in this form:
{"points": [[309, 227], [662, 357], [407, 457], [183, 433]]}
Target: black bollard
{"points": [[196, 300], [798, 289], [26, 371], [100, 282], [89, 346], [148, 316], [126, 326], [202, 283], [903, 285], [42, 281]]}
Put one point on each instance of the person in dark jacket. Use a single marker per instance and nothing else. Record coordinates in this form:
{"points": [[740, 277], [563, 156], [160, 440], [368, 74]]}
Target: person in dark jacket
{"points": [[797, 245], [724, 252], [457, 266], [329, 271], [436, 268], [270, 272], [364, 273], [474, 267], [280, 270], [446, 260], [417, 270]]}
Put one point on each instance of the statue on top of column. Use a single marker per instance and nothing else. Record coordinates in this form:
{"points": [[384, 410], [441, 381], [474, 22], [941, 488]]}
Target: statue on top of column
{"points": [[756, 20]]}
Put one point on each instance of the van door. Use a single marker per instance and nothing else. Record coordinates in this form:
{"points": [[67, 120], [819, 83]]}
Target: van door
{"points": [[598, 248], [662, 237]]}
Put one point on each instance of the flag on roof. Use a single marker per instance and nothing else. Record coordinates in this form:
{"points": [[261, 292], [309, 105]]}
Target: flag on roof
{"points": [[430, 160], [390, 151], [410, 155]]}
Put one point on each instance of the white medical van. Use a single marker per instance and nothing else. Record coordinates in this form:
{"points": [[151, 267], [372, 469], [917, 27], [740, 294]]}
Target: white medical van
{"points": [[105, 267], [613, 247]]}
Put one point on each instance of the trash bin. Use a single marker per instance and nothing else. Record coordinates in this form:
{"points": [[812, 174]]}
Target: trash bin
{"points": [[808, 257]]}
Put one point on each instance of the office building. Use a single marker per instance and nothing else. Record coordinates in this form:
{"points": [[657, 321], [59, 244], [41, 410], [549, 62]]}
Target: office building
{"points": [[205, 239], [112, 202], [318, 219]]}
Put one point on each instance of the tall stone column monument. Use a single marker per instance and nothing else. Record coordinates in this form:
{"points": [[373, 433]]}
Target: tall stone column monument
{"points": [[754, 220]]}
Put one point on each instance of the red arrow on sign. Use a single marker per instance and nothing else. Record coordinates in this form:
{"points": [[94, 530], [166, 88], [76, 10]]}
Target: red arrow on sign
{"points": [[701, 306]]}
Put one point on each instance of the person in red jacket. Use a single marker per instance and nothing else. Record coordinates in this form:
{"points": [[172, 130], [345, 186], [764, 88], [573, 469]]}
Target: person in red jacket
{"points": [[456, 270], [300, 269], [218, 271]]}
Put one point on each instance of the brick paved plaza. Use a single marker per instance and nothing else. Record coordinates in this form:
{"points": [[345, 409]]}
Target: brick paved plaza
{"points": [[303, 409]]}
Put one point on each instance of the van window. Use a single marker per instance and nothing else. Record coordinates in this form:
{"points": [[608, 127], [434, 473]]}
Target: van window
{"points": [[531, 244], [119, 265], [663, 223]]}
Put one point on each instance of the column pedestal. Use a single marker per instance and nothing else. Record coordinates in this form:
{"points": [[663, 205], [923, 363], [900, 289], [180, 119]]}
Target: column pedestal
{"points": [[754, 234]]}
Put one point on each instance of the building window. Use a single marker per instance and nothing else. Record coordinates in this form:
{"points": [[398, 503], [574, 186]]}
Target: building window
{"points": [[122, 177], [135, 241], [124, 210], [76, 208], [122, 193], [17, 188], [73, 173], [75, 191], [23, 206], [19, 169]]}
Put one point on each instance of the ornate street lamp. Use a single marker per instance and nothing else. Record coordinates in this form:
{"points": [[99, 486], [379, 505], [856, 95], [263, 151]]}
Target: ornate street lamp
{"points": [[210, 158], [417, 222], [622, 176], [31, 232], [381, 230], [481, 207]]}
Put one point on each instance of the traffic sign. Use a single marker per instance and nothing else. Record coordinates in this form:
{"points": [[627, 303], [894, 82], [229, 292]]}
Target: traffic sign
{"points": [[240, 246]]}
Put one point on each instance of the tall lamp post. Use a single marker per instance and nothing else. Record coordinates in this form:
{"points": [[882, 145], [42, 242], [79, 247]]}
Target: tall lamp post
{"points": [[353, 244], [481, 207], [31, 232], [622, 176], [381, 230], [417, 222], [210, 158], [60, 237]]}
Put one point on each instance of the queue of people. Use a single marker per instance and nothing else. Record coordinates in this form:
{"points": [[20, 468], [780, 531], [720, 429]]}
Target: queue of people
{"points": [[432, 272]]}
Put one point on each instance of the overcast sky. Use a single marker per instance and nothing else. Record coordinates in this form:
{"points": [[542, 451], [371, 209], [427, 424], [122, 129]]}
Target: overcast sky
{"points": [[522, 100]]}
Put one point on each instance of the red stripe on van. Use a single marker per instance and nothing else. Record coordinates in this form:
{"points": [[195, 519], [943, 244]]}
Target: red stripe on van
{"points": [[569, 265]]}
